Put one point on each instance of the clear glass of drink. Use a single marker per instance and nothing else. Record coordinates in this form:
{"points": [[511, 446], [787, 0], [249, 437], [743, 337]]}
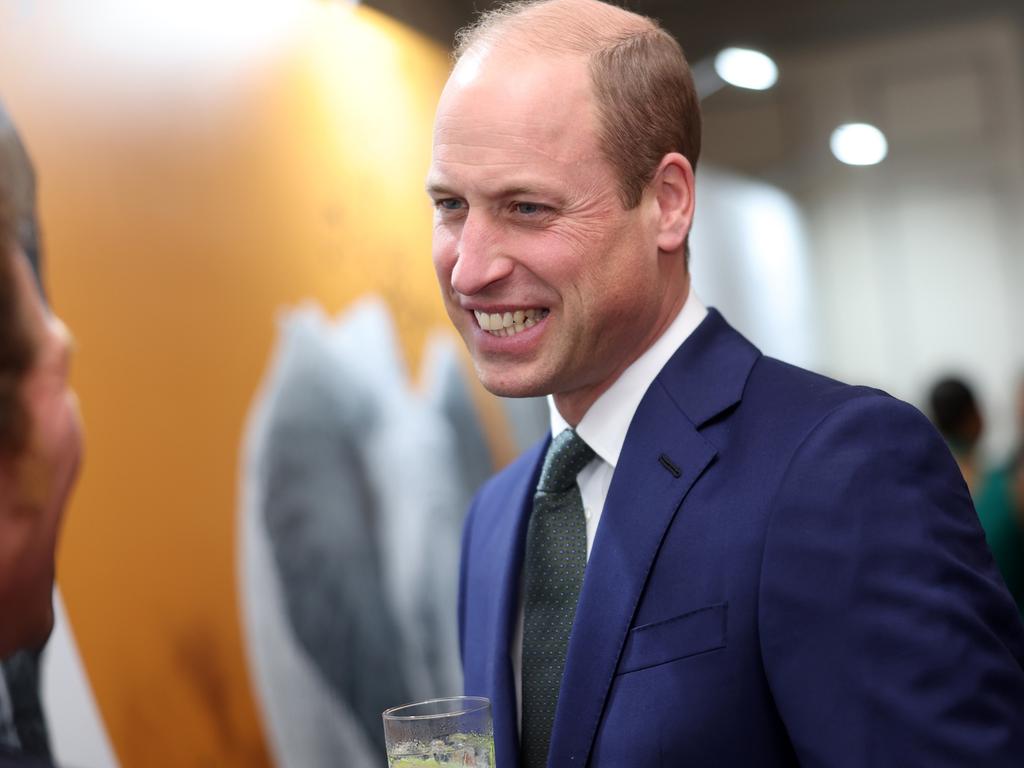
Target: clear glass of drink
{"points": [[441, 732]]}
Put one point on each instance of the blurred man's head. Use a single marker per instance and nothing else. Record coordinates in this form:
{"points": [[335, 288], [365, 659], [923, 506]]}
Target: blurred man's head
{"points": [[19, 188], [955, 412], [40, 445], [562, 178]]}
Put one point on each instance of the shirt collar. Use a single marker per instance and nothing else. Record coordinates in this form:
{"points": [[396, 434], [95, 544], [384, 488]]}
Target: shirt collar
{"points": [[605, 423]]}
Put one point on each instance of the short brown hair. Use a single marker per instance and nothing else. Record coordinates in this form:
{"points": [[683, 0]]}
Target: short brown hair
{"points": [[643, 86], [16, 348]]}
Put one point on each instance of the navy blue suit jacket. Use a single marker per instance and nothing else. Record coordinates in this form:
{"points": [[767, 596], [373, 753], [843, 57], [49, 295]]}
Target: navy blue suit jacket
{"points": [[13, 759], [788, 571]]}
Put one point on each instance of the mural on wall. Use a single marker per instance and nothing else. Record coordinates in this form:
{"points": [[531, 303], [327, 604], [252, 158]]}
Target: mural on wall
{"points": [[354, 487], [200, 166]]}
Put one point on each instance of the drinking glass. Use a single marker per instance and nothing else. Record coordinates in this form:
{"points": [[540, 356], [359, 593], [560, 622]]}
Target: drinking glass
{"points": [[449, 732]]}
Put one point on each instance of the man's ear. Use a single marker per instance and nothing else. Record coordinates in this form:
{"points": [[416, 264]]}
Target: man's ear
{"points": [[673, 187]]}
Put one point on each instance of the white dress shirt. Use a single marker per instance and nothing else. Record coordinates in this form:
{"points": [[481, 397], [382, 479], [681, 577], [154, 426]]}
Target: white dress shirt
{"points": [[603, 427]]}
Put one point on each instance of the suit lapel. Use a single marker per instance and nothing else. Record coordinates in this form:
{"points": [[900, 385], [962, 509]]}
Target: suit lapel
{"points": [[642, 502], [502, 546], [663, 456]]}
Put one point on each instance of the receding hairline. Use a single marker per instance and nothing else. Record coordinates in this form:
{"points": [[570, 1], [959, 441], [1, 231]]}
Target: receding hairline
{"points": [[581, 27], [640, 82]]}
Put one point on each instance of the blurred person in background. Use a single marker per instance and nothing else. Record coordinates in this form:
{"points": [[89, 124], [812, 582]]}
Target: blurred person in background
{"points": [[40, 447], [22, 722], [1000, 506], [954, 411]]}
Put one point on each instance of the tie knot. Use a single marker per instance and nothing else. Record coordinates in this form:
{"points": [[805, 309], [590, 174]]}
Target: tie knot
{"points": [[566, 456]]}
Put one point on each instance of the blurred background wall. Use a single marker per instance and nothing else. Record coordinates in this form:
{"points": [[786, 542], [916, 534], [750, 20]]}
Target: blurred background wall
{"points": [[205, 167], [916, 263], [202, 165]]}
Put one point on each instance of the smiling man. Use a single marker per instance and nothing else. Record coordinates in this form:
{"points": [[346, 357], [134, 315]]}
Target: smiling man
{"points": [[715, 558], [536, 239]]}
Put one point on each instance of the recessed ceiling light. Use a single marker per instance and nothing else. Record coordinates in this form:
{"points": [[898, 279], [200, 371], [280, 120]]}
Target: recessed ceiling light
{"points": [[746, 68], [859, 144]]}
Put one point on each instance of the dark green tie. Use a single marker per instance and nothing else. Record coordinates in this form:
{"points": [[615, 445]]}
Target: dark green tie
{"points": [[556, 556]]}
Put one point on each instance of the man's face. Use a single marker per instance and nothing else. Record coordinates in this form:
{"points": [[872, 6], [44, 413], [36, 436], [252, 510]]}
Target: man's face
{"points": [[35, 485], [530, 235]]}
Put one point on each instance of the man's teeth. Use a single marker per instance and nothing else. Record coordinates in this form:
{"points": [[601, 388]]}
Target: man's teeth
{"points": [[509, 323]]}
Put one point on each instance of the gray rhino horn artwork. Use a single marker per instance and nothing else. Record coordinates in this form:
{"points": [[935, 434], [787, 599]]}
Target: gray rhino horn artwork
{"points": [[354, 486]]}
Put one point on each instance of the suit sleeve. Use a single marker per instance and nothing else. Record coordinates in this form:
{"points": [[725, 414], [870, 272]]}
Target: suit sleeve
{"points": [[467, 533], [887, 635]]}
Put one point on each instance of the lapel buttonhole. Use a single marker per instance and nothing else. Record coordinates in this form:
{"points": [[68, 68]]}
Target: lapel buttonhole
{"points": [[666, 462]]}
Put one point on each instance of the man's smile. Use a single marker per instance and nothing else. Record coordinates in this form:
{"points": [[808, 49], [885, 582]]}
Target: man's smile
{"points": [[509, 323]]}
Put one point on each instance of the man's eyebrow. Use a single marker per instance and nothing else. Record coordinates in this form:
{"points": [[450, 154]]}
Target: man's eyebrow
{"points": [[518, 190], [437, 189]]}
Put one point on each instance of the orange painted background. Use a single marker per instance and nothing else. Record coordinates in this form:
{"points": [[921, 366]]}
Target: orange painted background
{"points": [[202, 165]]}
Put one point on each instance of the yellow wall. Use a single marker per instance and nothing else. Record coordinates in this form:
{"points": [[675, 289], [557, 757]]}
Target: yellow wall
{"points": [[202, 164]]}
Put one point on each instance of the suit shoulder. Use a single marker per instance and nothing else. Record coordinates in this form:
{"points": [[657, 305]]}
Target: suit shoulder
{"points": [[815, 395], [783, 406], [801, 382]]}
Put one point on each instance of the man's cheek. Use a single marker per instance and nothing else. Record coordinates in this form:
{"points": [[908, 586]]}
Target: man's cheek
{"points": [[53, 452], [443, 249], [35, 479]]}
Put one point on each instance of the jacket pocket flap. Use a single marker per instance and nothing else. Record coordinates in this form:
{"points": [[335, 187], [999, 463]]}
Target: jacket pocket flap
{"points": [[676, 638]]}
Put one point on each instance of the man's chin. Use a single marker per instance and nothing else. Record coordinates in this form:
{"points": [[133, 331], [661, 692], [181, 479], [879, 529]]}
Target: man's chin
{"points": [[44, 626], [501, 384], [32, 634]]}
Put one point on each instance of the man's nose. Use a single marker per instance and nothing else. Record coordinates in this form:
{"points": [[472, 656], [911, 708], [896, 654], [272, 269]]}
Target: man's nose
{"points": [[480, 257]]}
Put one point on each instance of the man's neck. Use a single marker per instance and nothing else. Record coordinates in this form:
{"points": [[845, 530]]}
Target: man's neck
{"points": [[606, 422], [573, 405]]}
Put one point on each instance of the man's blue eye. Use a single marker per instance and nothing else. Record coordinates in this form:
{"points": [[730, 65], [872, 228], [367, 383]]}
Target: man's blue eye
{"points": [[528, 208], [449, 204]]}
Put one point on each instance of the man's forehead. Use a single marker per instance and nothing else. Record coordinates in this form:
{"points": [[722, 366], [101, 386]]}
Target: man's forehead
{"points": [[515, 137], [530, 108], [508, 78], [518, 153], [512, 54]]}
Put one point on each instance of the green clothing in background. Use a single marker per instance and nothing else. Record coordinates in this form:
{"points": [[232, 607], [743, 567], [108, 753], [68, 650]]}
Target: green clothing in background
{"points": [[1003, 530]]}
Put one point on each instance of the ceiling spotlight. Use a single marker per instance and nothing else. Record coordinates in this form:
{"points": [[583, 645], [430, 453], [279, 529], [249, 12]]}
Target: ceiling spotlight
{"points": [[859, 144], [746, 68]]}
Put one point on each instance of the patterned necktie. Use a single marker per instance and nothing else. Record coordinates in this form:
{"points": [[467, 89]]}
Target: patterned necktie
{"points": [[556, 555]]}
